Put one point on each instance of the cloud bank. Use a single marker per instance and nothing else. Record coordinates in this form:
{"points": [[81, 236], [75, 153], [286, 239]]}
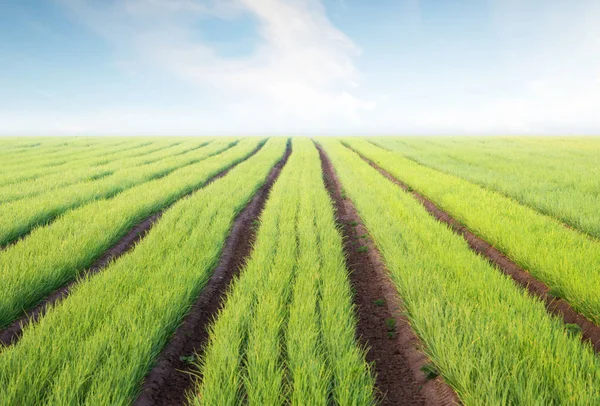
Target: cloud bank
{"points": [[299, 76]]}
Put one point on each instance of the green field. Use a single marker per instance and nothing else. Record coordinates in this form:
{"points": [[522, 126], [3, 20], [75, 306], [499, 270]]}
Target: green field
{"points": [[253, 270]]}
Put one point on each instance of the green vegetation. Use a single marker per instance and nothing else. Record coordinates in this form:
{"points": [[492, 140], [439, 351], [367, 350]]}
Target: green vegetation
{"points": [[488, 339], [37, 164], [19, 217], [566, 260], [287, 331], [96, 346], [144, 156], [287, 328], [55, 254], [556, 176]]}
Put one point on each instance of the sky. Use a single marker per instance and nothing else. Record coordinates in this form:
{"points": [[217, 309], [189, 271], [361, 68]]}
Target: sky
{"points": [[317, 67]]}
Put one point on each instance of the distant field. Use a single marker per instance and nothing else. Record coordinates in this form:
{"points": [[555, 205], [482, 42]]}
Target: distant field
{"points": [[265, 271]]}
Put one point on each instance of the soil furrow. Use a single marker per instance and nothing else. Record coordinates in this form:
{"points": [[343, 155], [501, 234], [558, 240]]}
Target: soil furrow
{"points": [[394, 350], [171, 378], [554, 305], [12, 333]]}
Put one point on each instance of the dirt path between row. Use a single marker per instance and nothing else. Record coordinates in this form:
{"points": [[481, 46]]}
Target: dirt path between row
{"points": [[554, 305], [171, 378], [393, 347], [11, 334]]}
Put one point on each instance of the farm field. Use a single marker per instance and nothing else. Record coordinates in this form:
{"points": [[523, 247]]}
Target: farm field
{"points": [[275, 271]]}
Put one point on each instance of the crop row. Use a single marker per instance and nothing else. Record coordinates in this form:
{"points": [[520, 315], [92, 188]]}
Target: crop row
{"points": [[491, 341], [89, 172], [34, 166], [61, 148], [566, 260], [557, 177], [19, 217], [99, 343], [287, 330], [55, 254]]}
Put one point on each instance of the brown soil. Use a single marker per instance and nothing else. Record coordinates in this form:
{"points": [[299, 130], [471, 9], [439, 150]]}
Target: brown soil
{"points": [[554, 305], [396, 355], [13, 332], [171, 378]]}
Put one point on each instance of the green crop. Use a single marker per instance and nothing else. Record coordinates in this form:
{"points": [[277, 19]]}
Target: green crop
{"points": [[559, 177], [491, 341], [41, 165], [89, 171], [286, 332], [55, 254], [566, 260], [96, 346], [19, 217]]}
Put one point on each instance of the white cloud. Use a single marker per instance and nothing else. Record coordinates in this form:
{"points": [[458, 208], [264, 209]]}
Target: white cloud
{"points": [[301, 75]]}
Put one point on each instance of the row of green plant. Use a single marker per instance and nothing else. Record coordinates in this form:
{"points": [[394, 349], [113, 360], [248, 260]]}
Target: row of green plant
{"points": [[565, 259], [287, 331], [56, 148], [558, 177], [41, 165], [74, 158], [96, 346], [488, 339], [87, 171], [19, 217], [57, 253]]}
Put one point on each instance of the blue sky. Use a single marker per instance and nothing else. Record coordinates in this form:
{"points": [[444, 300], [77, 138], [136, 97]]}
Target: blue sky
{"points": [[178, 67]]}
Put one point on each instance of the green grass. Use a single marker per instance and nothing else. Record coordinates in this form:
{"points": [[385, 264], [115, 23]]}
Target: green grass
{"points": [[286, 332], [491, 341], [36, 164], [556, 176], [96, 346], [19, 217], [565, 259], [55, 254], [89, 171]]}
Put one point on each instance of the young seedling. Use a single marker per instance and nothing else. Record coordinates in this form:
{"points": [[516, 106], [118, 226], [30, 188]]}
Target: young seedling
{"points": [[379, 302], [363, 236], [573, 329], [556, 292], [430, 371], [363, 248], [390, 324], [353, 223], [188, 359]]}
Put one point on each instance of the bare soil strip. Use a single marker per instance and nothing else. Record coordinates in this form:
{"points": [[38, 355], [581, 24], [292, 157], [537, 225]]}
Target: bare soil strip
{"points": [[554, 305], [11, 334], [172, 377], [395, 351]]}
